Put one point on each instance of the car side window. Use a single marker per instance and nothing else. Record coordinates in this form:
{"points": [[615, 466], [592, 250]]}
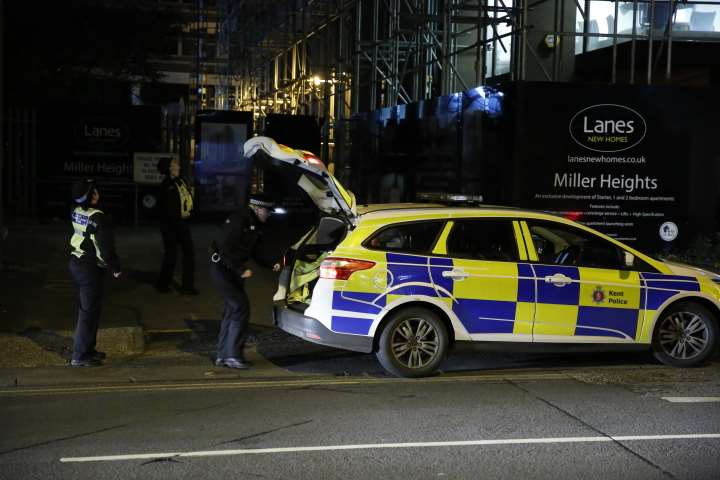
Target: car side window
{"points": [[640, 265], [483, 239], [558, 244], [416, 237]]}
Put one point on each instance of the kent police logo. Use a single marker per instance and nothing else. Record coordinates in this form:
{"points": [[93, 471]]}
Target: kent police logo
{"points": [[598, 295]]}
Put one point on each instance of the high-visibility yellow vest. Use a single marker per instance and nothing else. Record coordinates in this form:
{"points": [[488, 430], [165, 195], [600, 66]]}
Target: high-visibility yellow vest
{"points": [[186, 200], [303, 274], [84, 227]]}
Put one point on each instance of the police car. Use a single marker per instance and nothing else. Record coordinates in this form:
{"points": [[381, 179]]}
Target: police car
{"points": [[409, 281]]}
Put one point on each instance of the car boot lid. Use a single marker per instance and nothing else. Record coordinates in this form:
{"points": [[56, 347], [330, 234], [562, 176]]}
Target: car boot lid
{"points": [[322, 187]]}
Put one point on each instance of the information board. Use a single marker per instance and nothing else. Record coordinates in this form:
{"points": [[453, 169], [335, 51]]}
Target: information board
{"points": [[145, 167]]}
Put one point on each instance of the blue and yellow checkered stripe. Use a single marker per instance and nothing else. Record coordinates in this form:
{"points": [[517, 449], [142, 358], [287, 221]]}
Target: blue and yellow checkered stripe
{"points": [[509, 298], [497, 298], [577, 310]]}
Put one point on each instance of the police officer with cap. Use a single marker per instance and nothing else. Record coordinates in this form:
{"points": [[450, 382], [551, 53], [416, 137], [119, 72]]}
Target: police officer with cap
{"points": [[93, 252], [238, 243]]}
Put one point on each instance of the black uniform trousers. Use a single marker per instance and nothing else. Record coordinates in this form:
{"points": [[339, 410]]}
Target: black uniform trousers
{"points": [[172, 235], [89, 279], [236, 312]]}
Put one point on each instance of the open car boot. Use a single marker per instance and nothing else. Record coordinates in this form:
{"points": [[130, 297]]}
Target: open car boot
{"points": [[335, 207]]}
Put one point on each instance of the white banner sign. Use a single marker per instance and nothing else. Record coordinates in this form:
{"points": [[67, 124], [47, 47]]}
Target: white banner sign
{"points": [[145, 167]]}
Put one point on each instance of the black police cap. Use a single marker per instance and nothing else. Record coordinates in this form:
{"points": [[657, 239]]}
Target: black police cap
{"points": [[81, 189], [261, 200]]}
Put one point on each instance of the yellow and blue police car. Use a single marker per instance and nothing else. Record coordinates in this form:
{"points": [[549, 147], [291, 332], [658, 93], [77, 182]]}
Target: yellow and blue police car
{"points": [[409, 281]]}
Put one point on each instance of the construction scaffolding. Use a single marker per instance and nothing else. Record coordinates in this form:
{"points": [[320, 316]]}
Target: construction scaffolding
{"points": [[335, 58], [376, 53]]}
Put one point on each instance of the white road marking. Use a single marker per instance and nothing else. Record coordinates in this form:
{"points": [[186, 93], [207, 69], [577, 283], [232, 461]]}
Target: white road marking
{"points": [[692, 399], [375, 446]]}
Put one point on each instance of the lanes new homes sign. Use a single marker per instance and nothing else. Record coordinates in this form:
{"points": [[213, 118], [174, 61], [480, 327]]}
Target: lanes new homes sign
{"points": [[607, 157]]}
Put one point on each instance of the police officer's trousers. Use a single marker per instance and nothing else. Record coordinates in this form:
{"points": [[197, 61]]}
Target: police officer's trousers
{"points": [[172, 236], [89, 279], [236, 312]]}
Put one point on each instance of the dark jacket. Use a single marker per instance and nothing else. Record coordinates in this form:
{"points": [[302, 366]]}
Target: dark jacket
{"points": [[238, 242], [169, 203], [101, 225]]}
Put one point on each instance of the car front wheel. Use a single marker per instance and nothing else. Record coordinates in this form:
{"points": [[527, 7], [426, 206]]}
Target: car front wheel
{"points": [[413, 343], [685, 336]]}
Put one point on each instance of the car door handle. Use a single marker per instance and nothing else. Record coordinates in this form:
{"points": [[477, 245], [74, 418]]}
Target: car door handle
{"points": [[558, 279], [455, 274]]}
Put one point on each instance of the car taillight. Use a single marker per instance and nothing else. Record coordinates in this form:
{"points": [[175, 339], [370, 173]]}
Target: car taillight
{"points": [[341, 268], [286, 260]]}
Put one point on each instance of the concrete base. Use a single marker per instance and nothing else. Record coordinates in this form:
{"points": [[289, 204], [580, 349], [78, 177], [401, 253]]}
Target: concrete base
{"points": [[123, 340]]}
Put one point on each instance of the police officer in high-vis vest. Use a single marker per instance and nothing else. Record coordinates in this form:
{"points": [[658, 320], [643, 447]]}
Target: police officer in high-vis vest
{"points": [[176, 205], [93, 252], [238, 243]]}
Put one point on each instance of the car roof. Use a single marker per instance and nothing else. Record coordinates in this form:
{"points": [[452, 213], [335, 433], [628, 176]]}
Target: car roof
{"points": [[412, 211], [364, 209]]}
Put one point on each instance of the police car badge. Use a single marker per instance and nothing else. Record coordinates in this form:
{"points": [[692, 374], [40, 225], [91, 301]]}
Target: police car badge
{"points": [[598, 295]]}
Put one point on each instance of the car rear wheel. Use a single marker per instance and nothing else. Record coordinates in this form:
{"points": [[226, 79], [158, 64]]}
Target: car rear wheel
{"points": [[685, 335], [413, 343]]}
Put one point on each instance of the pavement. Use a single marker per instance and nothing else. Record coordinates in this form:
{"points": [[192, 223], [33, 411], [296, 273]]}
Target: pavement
{"points": [[38, 301]]}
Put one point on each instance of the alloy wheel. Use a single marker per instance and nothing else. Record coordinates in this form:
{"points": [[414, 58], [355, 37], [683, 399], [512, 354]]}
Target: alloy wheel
{"points": [[415, 342], [683, 335]]}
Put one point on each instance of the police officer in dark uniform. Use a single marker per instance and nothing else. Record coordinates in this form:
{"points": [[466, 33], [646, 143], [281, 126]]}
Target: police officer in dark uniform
{"points": [[93, 252], [237, 244], [176, 204]]}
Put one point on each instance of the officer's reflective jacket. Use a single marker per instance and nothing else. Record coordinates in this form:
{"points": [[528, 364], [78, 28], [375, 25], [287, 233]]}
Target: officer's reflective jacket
{"points": [[176, 202], [239, 240], [93, 240]]}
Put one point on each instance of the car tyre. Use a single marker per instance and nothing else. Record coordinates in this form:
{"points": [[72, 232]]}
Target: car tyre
{"points": [[685, 335], [413, 343]]}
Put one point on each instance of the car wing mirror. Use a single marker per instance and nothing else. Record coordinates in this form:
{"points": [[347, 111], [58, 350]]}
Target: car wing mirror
{"points": [[629, 260]]}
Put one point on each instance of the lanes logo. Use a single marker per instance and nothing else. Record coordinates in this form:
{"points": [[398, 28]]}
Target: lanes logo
{"points": [[102, 133], [607, 128], [598, 295]]}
